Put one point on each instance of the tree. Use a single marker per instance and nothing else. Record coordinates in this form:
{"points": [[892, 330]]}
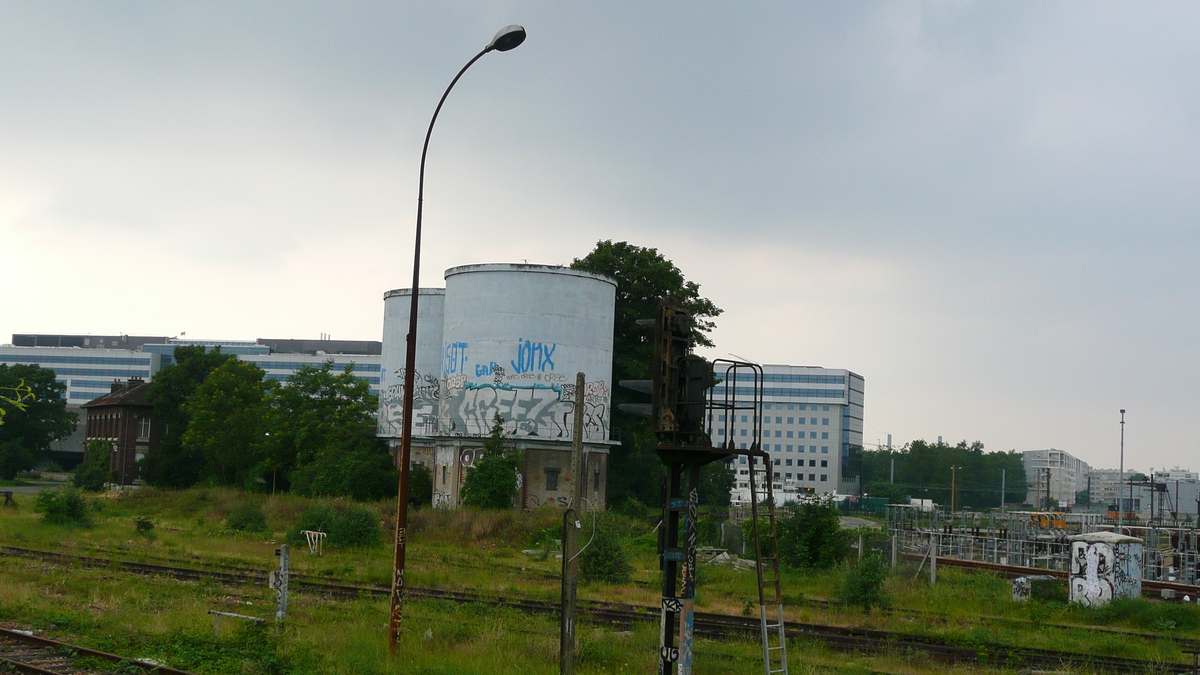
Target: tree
{"points": [[355, 463], [810, 534], [492, 482], [93, 473], [315, 411], [172, 465], [923, 472], [226, 421], [644, 276], [35, 416], [716, 480]]}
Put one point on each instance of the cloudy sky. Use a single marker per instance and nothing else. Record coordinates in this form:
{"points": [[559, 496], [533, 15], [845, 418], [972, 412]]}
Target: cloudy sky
{"points": [[989, 210]]}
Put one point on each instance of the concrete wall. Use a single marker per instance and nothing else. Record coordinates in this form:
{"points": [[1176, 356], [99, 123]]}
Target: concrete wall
{"points": [[396, 307], [514, 338]]}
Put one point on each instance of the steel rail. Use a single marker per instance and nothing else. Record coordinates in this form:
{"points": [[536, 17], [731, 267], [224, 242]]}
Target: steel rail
{"points": [[9, 635], [711, 625]]}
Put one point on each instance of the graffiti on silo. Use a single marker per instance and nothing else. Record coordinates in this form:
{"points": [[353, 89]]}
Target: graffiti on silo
{"points": [[532, 404], [426, 393]]}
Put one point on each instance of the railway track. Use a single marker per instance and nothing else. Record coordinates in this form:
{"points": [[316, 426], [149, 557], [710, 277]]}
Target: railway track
{"points": [[24, 653], [709, 625]]}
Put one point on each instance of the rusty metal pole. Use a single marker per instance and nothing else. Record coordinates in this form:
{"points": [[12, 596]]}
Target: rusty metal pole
{"points": [[571, 527], [508, 38]]}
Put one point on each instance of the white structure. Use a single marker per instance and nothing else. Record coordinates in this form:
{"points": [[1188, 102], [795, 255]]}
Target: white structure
{"points": [[811, 419], [507, 340], [1056, 474], [430, 310], [1104, 488], [87, 372], [1104, 566]]}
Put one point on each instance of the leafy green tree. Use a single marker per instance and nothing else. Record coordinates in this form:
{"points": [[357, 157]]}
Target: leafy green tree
{"points": [[315, 411], [492, 482], [810, 535], [644, 276], [93, 473], [226, 418], [35, 416], [716, 480], [355, 463], [923, 472], [173, 465]]}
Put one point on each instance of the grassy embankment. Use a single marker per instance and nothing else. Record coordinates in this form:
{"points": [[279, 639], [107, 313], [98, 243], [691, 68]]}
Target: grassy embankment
{"points": [[479, 552]]}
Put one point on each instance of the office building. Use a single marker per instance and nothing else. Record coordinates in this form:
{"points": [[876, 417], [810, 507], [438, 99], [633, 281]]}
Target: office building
{"points": [[1055, 474], [89, 364], [812, 424]]}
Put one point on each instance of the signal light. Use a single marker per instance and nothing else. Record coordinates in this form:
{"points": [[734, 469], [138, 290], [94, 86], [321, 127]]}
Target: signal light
{"points": [[678, 390]]}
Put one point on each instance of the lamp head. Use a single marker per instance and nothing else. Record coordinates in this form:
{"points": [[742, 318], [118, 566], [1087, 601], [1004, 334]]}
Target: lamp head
{"points": [[509, 37]]}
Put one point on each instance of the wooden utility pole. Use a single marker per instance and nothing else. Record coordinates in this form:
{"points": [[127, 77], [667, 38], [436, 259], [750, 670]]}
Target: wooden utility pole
{"points": [[571, 527]]}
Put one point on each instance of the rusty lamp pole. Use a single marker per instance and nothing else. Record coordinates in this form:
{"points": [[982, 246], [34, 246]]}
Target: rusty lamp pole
{"points": [[508, 38]]}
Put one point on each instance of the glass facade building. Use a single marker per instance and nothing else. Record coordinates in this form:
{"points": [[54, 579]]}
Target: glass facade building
{"points": [[811, 420]]}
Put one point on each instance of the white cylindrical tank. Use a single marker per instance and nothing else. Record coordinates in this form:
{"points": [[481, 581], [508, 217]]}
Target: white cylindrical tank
{"points": [[396, 308], [513, 339]]}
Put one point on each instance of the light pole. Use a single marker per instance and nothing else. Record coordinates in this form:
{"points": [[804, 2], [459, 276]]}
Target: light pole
{"points": [[508, 38], [1121, 475]]}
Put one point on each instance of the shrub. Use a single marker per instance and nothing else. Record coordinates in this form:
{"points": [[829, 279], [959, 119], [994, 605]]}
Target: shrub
{"points": [[631, 507], [604, 558], [65, 506], [420, 486], [810, 537], [247, 517], [862, 584], [347, 526], [492, 482]]}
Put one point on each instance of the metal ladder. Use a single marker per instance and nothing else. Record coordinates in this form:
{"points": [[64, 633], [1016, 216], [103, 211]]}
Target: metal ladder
{"points": [[766, 550]]}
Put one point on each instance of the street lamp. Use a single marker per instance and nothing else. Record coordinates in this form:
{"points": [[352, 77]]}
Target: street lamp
{"points": [[507, 38], [1121, 476]]}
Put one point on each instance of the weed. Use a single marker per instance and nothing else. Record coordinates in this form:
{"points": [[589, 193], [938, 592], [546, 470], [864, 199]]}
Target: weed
{"points": [[247, 517], [65, 506]]}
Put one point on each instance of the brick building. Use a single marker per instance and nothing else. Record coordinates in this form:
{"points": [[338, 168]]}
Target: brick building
{"points": [[124, 419]]}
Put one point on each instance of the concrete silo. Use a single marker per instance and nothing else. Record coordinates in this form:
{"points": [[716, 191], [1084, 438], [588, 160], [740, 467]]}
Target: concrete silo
{"points": [[396, 307], [513, 338]]}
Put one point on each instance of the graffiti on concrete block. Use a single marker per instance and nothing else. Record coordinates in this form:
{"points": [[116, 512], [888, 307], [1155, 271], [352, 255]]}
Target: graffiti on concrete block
{"points": [[533, 501], [1102, 571]]}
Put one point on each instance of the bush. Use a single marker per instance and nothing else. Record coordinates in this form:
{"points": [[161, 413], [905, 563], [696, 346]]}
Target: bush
{"points": [[862, 584], [492, 482], [420, 486], [247, 517], [344, 525], [810, 536], [65, 506], [14, 458], [604, 559]]}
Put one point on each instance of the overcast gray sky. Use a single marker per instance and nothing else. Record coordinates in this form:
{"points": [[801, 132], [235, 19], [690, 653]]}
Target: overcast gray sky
{"points": [[986, 209]]}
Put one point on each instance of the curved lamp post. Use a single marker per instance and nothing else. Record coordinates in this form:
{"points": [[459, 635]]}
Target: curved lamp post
{"points": [[508, 38]]}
